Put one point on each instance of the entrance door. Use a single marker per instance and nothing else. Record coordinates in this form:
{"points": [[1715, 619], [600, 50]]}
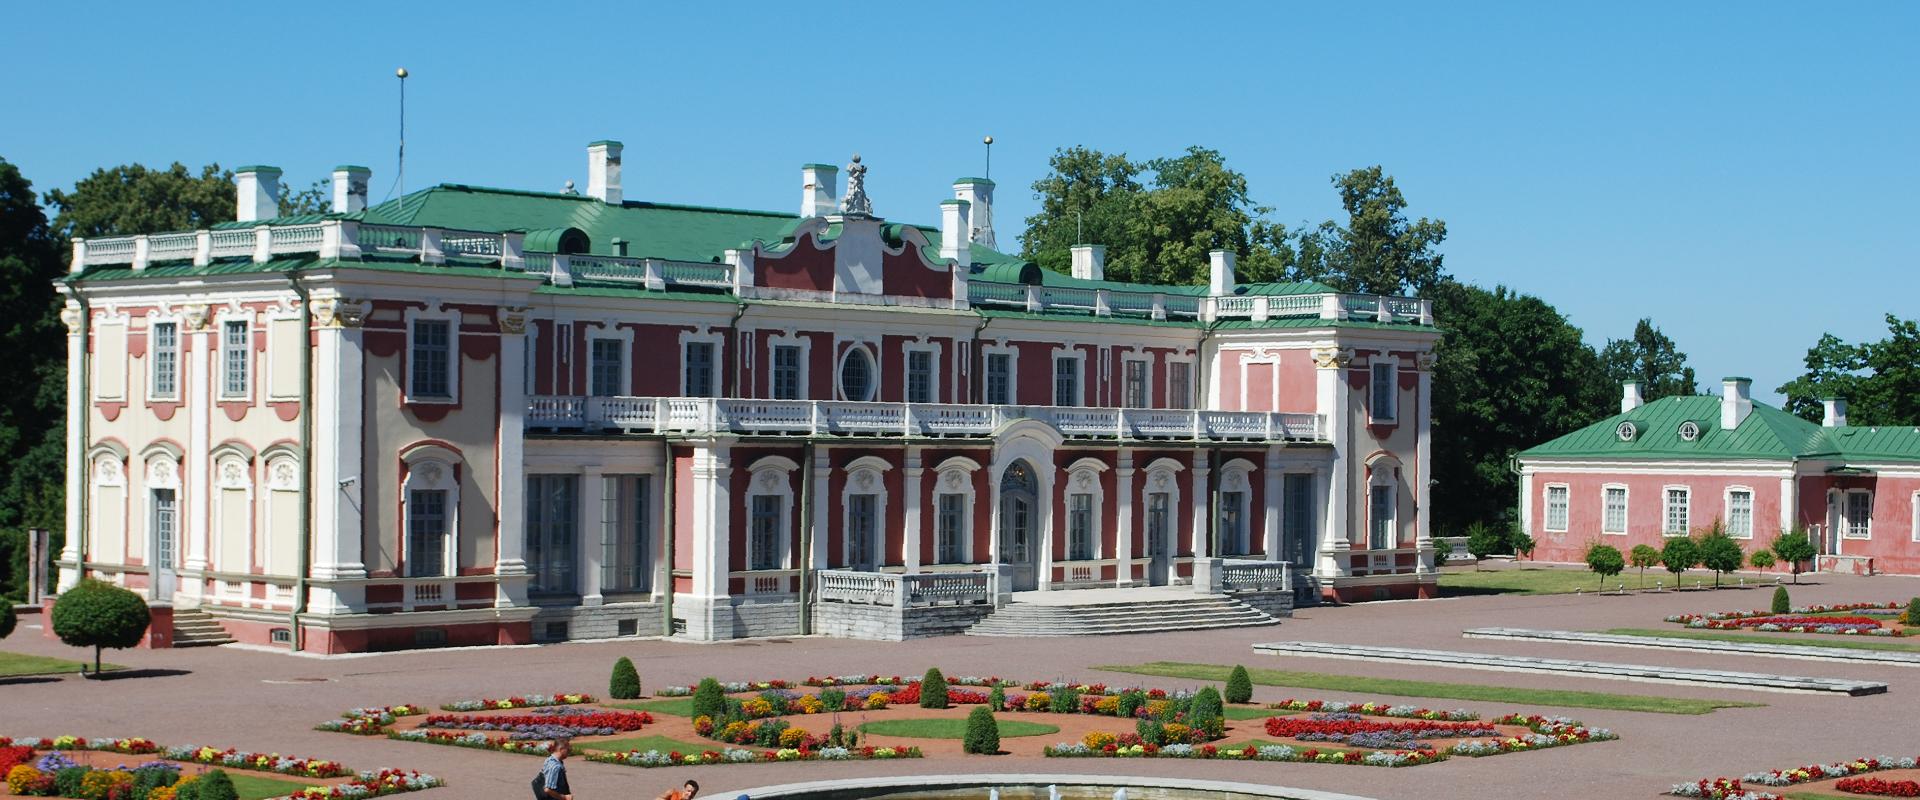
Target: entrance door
{"points": [[1018, 548], [1159, 538], [166, 528], [862, 533]]}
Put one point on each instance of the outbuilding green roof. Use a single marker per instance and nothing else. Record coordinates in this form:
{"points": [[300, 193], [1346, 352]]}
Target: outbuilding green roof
{"points": [[1768, 433]]}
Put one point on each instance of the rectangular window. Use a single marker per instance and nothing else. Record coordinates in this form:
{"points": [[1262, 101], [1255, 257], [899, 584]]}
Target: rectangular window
{"points": [[948, 532], [166, 522], [609, 362], [1297, 522], [1080, 527], [1159, 524], [1179, 384], [920, 376], [786, 372], [563, 358], [166, 361], [1385, 391], [1066, 381], [235, 358], [999, 379], [696, 377], [1134, 383], [1614, 514], [626, 534], [1678, 498], [427, 533], [553, 513], [432, 359], [861, 526], [1557, 508], [1380, 518], [763, 528], [1740, 513], [1859, 515], [1232, 530]]}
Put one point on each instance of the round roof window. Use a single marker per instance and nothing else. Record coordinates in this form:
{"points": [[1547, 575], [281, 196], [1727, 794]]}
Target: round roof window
{"points": [[1689, 431], [1626, 431]]}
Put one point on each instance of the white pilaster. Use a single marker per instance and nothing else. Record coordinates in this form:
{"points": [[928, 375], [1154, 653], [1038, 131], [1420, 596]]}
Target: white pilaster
{"points": [[1123, 517], [198, 394], [1423, 468], [1332, 401], [510, 565], [339, 363], [593, 526], [1526, 500], [911, 519], [1789, 504], [712, 502], [1202, 506], [79, 472], [1270, 516], [822, 472]]}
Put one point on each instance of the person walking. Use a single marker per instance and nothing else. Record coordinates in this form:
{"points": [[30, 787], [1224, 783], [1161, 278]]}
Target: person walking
{"points": [[551, 783]]}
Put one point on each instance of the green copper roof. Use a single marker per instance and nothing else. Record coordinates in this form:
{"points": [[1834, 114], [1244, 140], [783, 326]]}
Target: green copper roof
{"points": [[1858, 444], [1767, 433]]}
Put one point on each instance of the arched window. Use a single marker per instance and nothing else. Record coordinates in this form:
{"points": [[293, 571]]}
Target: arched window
{"points": [[1160, 499], [1084, 495], [769, 512], [863, 513], [953, 499], [233, 510], [1383, 504], [1232, 536], [430, 512]]}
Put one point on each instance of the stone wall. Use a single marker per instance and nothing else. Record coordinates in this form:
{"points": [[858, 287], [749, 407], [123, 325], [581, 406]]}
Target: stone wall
{"points": [[562, 623], [888, 624], [1275, 603]]}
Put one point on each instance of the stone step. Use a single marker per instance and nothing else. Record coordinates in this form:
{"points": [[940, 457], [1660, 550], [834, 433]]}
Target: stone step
{"points": [[1586, 669], [1122, 631], [1785, 649], [195, 628], [1046, 619], [1122, 616]]}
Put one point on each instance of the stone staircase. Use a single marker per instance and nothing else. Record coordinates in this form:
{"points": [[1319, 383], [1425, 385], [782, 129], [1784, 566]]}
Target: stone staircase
{"points": [[1145, 616], [195, 628]]}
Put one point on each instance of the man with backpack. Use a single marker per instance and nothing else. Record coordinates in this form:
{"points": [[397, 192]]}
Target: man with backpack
{"points": [[551, 783]]}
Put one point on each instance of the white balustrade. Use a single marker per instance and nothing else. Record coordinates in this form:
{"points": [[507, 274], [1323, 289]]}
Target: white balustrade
{"points": [[1239, 575], [904, 591], [170, 246], [284, 239], [231, 242]]}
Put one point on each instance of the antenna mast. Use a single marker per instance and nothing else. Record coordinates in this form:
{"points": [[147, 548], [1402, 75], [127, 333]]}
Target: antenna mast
{"points": [[988, 141], [401, 73]]}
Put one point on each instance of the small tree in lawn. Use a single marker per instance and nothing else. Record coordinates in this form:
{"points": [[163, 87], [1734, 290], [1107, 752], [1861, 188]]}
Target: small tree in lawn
{"points": [[98, 614], [933, 689], [1521, 543], [1605, 560], [1762, 560], [1484, 540], [1679, 555], [983, 732], [1643, 556], [625, 683], [1719, 552], [1239, 685], [1782, 604], [1793, 548], [7, 618], [709, 700]]}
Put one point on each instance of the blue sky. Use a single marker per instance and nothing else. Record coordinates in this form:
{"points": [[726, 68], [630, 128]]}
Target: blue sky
{"points": [[1741, 173]]}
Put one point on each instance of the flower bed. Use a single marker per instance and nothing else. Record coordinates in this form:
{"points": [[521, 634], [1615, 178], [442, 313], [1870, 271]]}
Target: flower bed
{"points": [[370, 721], [1736, 788], [1375, 709], [1545, 732], [1376, 758], [55, 774], [473, 739], [1876, 786], [519, 701], [1351, 729], [546, 723], [655, 758], [1810, 619]]}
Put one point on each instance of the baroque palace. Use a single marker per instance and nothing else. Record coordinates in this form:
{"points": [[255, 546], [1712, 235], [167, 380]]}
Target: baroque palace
{"points": [[479, 416]]}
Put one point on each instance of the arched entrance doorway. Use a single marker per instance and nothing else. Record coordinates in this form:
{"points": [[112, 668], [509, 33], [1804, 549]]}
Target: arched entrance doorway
{"points": [[1019, 524]]}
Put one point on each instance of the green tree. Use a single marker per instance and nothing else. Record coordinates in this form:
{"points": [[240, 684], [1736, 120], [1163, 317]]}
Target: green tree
{"points": [[625, 682], [1485, 540], [8, 619], [1719, 552], [933, 689], [709, 700], [1912, 617], [1605, 560], [983, 733], [1650, 358], [33, 367], [1679, 555], [98, 614], [1762, 560], [130, 199], [1378, 250], [1643, 556], [317, 198], [1794, 549], [1518, 539], [1880, 380], [1239, 685], [1782, 602]]}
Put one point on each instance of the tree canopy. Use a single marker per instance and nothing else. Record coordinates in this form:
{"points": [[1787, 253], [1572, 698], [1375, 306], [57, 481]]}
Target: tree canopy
{"points": [[33, 367], [130, 199], [1880, 380], [1650, 358]]}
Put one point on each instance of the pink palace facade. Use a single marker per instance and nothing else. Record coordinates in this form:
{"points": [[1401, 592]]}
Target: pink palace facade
{"points": [[478, 415]]}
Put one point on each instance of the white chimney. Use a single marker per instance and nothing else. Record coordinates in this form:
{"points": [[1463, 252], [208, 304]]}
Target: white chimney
{"points": [[1220, 278], [1836, 412], [1736, 402], [956, 233], [1090, 261], [603, 172], [257, 193], [1630, 396], [978, 192], [350, 188], [819, 184]]}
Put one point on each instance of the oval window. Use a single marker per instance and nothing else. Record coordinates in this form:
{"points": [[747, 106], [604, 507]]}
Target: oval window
{"points": [[856, 375], [1689, 431]]}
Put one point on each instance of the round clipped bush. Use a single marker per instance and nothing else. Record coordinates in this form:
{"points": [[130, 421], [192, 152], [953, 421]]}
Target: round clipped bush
{"points": [[1239, 686], [1762, 559], [933, 689], [625, 683], [1781, 603], [98, 614], [1605, 560], [1679, 555], [1794, 549], [7, 618], [983, 732], [709, 700], [215, 785]]}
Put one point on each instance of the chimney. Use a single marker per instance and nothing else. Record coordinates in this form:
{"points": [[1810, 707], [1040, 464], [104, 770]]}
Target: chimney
{"points": [[1090, 261], [1630, 396], [1736, 402], [603, 172], [978, 192], [257, 193], [1220, 282], [1836, 412], [350, 188], [818, 183], [956, 233]]}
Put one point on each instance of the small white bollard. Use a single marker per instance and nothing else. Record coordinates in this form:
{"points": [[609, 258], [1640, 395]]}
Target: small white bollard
{"points": [[1053, 792], [1120, 794], [993, 794]]}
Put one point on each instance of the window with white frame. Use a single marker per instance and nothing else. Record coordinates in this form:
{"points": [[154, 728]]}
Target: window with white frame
{"points": [[1080, 527], [769, 511], [763, 531], [922, 381], [1383, 506], [1557, 507], [553, 524], [953, 511], [1384, 392], [431, 498], [1133, 383], [1179, 384], [786, 372], [607, 366], [1915, 507], [430, 360], [1161, 496], [1297, 529], [164, 381], [1066, 380], [1678, 511], [1231, 535], [863, 507], [626, 533], [1740, 512], [697, 369], [1613, 509], [1859, 511], [999, 378], [857, 374], [235, 359]]}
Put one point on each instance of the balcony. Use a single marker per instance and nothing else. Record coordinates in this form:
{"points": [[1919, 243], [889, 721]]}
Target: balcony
{"points": [[705, 415]]}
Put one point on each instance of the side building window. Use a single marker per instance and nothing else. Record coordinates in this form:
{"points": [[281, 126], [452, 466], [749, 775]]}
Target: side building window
{"points": [[1384, 393], [431, 360], [1613, 517], [1677, 511], [1557, 508], [1740, 513], [165, 382], [1859, 510], [235, 358]]}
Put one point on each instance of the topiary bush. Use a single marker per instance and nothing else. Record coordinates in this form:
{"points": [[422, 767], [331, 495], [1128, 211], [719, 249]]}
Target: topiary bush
{"points": [[215, 785], [997, 699], [1913, 612], [1239, 686], [983, 732], [1206, 712], [625, 683], [1605, 560], [933, 689], [709, 700], [7, 618], [1781, 603], [1762, 560], [98, 614]]}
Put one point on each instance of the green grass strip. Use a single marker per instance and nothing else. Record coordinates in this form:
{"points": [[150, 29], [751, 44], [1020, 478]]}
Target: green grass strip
{"points": [[260, 787], [664, 744], [1764, 638], [670, 706], [1252, 712], [1451, 691], [13, 665]]}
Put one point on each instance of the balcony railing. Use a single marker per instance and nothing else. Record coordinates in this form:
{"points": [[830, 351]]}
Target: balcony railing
{"points": [[905, 591], [1161, 305], [829, 417], [1238, 575]]}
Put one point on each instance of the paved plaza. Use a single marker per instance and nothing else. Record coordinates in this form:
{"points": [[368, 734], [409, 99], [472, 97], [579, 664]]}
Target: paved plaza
{"points": [[270, 701]]}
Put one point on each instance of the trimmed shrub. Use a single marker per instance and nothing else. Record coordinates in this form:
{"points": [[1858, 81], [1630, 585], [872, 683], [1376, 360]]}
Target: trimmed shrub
{"points": [[1521, 543], [625, 683], [983, 733], [1484, 540], [1239, 686], [709, 700], [98, 614], [1678, 556], [1781, 603], [7, 618], [1720, 553], [1913, 612], [1793, 549], [933, 689], [1643, 556], [1762, 559], [1605, 560], [997, 699], [215, 785]]}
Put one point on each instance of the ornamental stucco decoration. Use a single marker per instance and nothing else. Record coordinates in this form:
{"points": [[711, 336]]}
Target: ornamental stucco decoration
{"points": [[856, 203], [281, 475], [106, 471], [513, 320], [72, 318], [1425, 361], [429, 472], [233, 474], [194, 317], [1331, 357], [953, 479]]}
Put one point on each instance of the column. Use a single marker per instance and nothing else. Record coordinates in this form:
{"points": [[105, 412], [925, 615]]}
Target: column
{"points": [[590, 547], [79, 472], [510, 559], [822, 468], [711, 518], [339, 364], [197, 392], [911, 519], [1789, 505], [1270, 516], [1123, 518], [1526, 500], [1423, 468], [1332, 399], [1202, 506]]}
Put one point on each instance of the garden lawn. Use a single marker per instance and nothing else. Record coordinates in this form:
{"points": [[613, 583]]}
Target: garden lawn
{"points": [[1848, 643], [1450, 691], [18, 664], [671, 706], [1253, 712], [259, 787], [664, 744], [952, 728], [1545, 580]]}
